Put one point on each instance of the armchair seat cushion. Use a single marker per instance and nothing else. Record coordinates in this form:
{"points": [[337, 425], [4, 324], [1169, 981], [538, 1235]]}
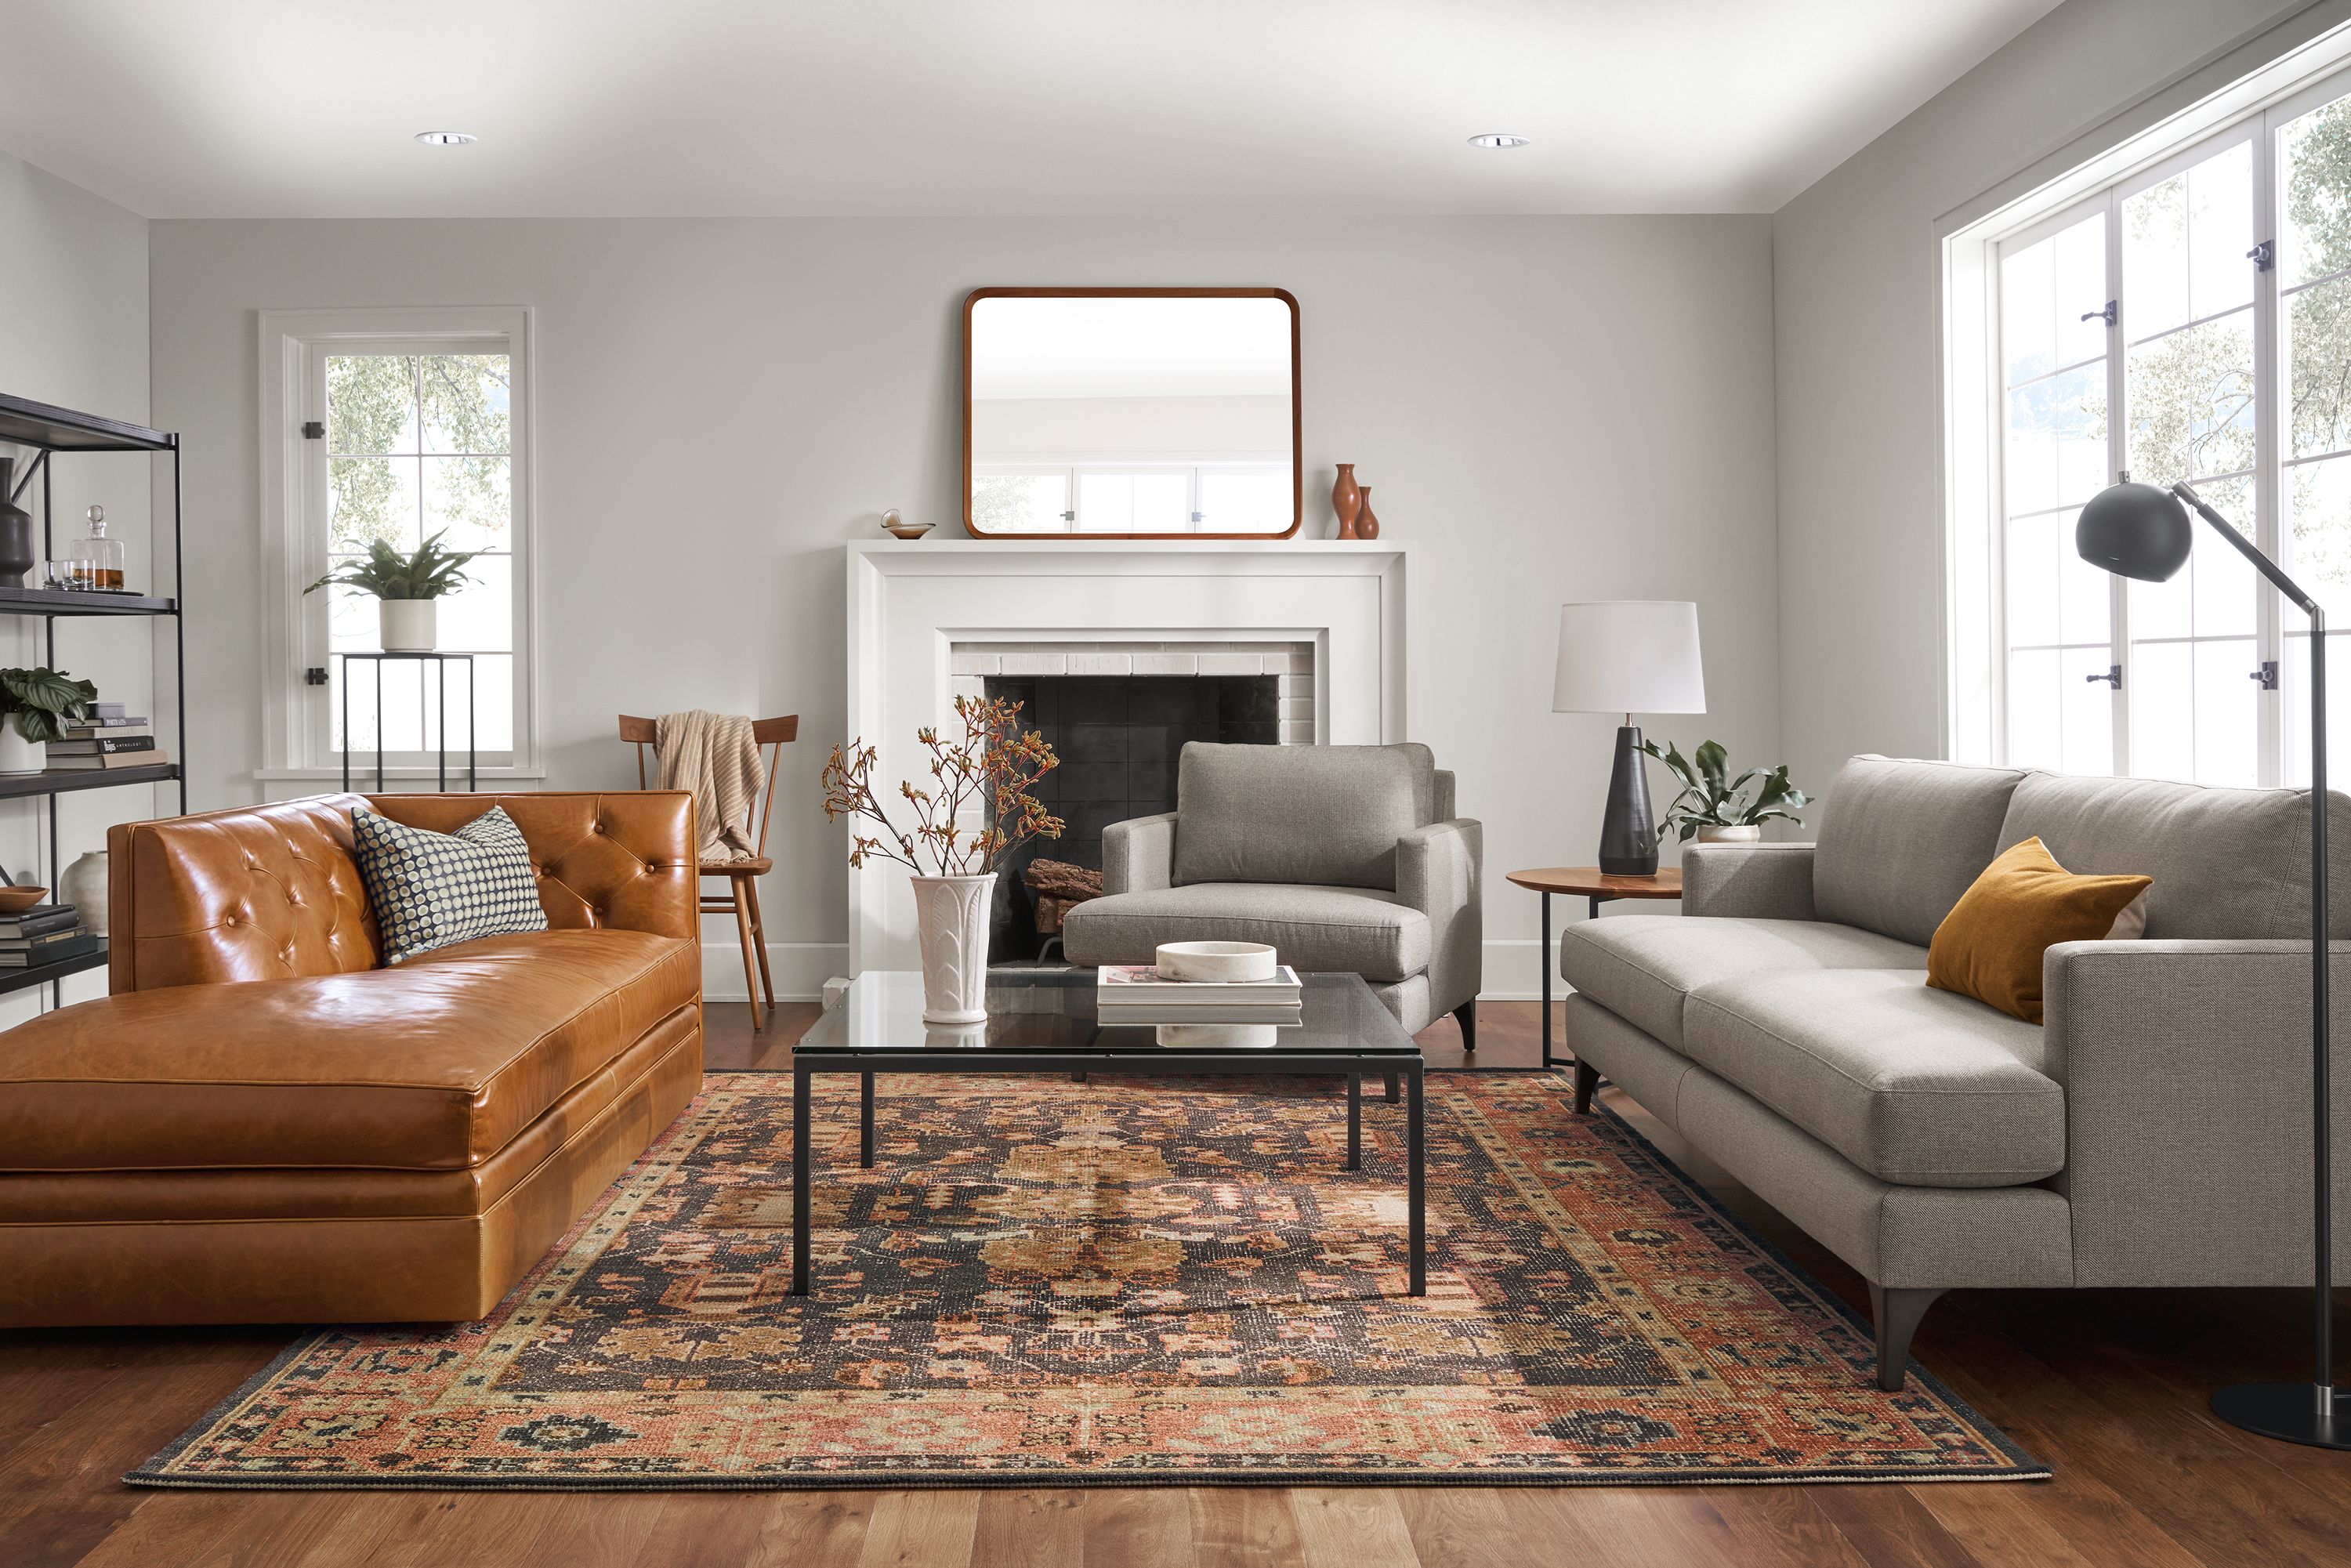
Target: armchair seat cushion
{"points": [[1643, 968], [1918, 1087], [1364, 930]]}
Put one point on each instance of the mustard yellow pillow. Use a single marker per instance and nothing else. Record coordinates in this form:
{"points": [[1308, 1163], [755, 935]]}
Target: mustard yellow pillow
{"points": [[1989, 946]]}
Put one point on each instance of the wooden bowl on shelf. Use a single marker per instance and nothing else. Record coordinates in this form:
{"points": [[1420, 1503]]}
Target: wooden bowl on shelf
{"points": [[17, 900]]}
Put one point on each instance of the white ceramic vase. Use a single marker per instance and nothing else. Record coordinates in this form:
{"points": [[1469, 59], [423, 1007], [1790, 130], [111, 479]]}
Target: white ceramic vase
{"points": [[951, 916], [408, 625], [1747, 833], [83, 885], [18, 755]]}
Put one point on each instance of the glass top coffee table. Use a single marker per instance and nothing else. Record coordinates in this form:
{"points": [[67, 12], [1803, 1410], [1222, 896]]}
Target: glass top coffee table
{"points": [[1043, 1020]]}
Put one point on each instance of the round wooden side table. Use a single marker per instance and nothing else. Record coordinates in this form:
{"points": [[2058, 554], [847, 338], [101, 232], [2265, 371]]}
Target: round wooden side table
{"points": [[1599, 886]]}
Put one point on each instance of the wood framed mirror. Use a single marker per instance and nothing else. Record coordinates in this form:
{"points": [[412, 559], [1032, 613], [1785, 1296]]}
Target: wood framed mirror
{"points": [[1131, 414]]}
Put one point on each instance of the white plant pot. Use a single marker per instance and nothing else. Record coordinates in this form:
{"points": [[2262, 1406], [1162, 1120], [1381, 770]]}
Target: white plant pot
{"points": [[407, 625], [951, 916], [1751, 833], [18, 755]]}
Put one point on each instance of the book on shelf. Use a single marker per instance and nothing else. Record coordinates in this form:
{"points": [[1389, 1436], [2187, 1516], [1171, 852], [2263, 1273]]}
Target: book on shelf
{"points": [[39, 918], [41, 941], [108, 710], [1140, 983], [81, 762], [85, 942], [93, 728], [100, 745]]}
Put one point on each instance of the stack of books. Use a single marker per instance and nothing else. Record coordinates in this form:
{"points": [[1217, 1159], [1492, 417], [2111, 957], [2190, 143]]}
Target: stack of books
{"points": [[108, 738], [1135, 994], [43, 933]]}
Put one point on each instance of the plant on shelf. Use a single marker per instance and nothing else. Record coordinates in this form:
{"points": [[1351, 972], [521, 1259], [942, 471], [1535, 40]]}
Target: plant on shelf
{"points": [[1713, 806], [992, 767], [36, 706], [405, 588]]}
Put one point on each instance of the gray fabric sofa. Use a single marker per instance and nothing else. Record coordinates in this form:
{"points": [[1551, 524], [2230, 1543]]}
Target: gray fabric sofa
{"points": [[1342, 857], [2153, 1132]]}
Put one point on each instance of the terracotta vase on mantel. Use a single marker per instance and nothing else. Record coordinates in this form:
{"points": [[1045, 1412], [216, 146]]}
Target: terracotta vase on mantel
{"points": [[1347, 500], [1368, 527]]}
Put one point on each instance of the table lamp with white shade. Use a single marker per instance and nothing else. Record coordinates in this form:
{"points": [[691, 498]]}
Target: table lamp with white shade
{"points": [[1628, 656]]}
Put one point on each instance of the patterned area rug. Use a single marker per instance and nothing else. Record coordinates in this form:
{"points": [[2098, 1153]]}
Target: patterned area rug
{"points": [[1124, 1281]]}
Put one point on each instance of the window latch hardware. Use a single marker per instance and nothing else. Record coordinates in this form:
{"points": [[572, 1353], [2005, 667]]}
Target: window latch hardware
{"points": [[2263, 255], [2267, 675], [1069, 517], [314, 676], [314, 430], [2107, 315], [2113, 677]]}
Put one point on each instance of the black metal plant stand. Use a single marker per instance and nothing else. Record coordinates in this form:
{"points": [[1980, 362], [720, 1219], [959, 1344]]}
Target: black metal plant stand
{"points": [[441, 752]]}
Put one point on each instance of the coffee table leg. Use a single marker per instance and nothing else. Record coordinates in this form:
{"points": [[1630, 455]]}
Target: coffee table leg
{"points": [[800, 1169], [1415, 1194], [1392, 1088], [865, 1120], [1544, 964], [1354, 1120]]}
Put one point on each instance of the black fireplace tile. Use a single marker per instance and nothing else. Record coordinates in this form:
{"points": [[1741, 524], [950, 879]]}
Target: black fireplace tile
{"points": [[1250, 732], [1149, 745], [1250, 699], [1092, 699], [1087, 821], [1075, 743], [1161, 699], [1080, 782]]}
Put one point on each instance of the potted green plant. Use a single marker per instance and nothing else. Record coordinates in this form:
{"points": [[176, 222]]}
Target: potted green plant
{"points": [[407, 588], [36, 706], [1714, 808]]}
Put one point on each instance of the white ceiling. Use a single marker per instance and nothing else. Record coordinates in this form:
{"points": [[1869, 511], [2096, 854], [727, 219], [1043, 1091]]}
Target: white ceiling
{"points": [[306, 107]]}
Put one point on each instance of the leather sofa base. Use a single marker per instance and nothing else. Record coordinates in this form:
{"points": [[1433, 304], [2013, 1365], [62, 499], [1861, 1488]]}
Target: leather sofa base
{"points": [[422, 1268]]}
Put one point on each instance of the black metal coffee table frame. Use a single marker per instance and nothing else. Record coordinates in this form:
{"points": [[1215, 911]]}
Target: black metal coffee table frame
{"points": [[1172, 1063]]}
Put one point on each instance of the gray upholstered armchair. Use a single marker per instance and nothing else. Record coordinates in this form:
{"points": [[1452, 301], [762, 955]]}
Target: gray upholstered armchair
{"points": [[1342, 857]]}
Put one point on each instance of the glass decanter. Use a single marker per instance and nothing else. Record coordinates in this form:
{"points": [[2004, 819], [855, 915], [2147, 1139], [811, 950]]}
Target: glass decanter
{"points": [[98, 560]]}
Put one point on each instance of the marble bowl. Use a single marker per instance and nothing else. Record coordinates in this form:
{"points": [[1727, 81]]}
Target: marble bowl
{"points": [[1224, 963]]}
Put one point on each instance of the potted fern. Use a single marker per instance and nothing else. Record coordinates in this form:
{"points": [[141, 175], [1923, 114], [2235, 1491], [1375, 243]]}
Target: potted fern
{"points": [[36, 706], [407, 590], [1714, 808]]}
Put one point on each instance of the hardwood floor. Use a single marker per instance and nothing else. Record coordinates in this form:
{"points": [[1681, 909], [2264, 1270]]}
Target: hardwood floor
{"points": [[2106, 1387]]}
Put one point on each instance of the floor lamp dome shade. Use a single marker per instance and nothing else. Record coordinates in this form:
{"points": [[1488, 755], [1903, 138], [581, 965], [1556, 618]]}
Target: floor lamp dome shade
{"points": [[2135, 530], [1628, 656]]}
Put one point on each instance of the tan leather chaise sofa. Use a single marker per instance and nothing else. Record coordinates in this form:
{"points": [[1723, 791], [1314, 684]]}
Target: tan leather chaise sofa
{"points": [[262, 1125]]}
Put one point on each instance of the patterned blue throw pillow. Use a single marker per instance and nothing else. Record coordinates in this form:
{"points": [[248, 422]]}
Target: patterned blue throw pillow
{"points": [[430, 889]]}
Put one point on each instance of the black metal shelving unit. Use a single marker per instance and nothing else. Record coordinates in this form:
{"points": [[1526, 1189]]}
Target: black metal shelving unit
{"points": [[50, 431]]}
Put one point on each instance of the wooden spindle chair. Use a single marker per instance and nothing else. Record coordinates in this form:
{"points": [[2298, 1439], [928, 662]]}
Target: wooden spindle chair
{"points": [[742, 896]]}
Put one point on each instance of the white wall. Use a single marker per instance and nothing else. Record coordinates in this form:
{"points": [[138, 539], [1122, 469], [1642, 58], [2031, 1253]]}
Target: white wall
{"points": [[1854, 261], [73, 331], [1563, 408]]}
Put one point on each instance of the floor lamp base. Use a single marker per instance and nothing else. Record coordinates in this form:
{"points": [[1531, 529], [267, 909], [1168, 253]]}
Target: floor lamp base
{"points": [[2290, 1412]]}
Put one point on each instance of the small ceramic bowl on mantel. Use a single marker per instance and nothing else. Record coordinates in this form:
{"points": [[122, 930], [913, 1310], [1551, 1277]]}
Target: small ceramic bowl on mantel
{"points": [[899, 528]]}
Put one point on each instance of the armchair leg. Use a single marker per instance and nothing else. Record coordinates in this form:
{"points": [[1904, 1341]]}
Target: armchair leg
{"points": [[1587, 1079], [1897, 1313], [1466, 1015]]}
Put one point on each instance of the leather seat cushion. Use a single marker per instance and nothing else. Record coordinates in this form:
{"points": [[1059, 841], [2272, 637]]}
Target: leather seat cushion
{"points": [[435, 1065], [1642, 968], [1918, 1087], [1361, 930]]}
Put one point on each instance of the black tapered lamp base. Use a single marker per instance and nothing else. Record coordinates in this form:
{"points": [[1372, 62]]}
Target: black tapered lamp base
{"points": [[1628, 841], [2290, 1412]]}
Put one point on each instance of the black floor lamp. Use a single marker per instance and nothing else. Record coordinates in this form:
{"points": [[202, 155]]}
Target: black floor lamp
{"points": [[2137, 530]]}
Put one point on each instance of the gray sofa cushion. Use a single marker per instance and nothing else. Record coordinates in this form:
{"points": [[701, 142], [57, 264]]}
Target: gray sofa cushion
{"points": [[1324, 928], [2226, 863], [1640, 967], [1320, 814], [1900, 841], [1918, 1087]]}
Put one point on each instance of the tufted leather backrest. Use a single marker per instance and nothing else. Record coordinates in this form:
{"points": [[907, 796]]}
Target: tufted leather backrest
{"points": [[260, 893]]}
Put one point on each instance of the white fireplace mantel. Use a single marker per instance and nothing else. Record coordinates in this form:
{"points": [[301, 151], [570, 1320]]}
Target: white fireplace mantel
{"points": [[911, 602]]}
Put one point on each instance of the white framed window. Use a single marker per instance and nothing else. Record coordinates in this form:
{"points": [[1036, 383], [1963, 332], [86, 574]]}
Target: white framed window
{"points": [[396, 427], [1175, 497], [2188, 318]]}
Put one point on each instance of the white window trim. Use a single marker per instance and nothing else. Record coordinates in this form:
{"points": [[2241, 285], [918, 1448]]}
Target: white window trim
{"points": [[291, 561], [2202, 109]]}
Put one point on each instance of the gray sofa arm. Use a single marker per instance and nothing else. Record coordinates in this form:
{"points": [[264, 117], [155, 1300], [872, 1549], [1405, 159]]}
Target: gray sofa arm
{"points": [[1139, 854], [2187, 1075], [1754, 882], [1440, 870]]}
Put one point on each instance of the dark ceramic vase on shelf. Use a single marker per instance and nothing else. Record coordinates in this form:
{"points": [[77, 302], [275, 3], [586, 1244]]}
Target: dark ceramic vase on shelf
{"points": [[1347, 500], [16, 553], [1368, 527]]}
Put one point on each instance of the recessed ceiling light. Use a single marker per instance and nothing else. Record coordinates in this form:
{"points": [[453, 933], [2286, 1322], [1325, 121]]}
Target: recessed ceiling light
{"points": [[445, 138], [1497, 139]]}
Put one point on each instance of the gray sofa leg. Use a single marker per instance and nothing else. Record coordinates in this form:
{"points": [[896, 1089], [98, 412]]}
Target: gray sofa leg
{"points": [[1466, 1015], [1897, 1313], [1587, 1079]]}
